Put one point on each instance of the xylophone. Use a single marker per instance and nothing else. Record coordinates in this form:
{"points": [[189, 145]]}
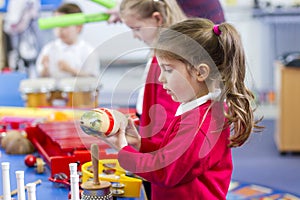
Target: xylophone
{"points": [[61, 143]]}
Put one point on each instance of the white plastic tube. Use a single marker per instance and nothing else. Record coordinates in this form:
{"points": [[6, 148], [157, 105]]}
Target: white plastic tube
{"points": [[74, 178], [75, 187], [6, 181], [31, 191], [20, 185], [73, 169]]}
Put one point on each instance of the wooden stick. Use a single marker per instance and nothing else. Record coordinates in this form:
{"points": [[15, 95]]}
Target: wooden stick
{"points": [[95, 160], [95, 184], [37, 182]]}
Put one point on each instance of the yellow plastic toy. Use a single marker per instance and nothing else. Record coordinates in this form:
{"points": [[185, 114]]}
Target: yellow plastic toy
{"points": [[110, 170]]}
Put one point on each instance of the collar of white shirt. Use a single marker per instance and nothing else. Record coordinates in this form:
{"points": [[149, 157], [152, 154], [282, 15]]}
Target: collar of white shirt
{"points": [[66, 46], [184, 107]]}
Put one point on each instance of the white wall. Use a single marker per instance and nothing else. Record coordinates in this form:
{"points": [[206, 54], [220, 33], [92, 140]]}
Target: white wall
{"points": [[254, 34], [101, 33], [249, 3]]}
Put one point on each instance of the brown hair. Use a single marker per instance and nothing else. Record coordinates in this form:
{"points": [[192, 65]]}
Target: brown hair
{"points": [[68, 8], [225, 55], [169, 9]]}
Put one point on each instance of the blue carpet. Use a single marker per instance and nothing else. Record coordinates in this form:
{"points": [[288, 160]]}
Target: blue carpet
{"points": [[246, 191], [259, 162]]}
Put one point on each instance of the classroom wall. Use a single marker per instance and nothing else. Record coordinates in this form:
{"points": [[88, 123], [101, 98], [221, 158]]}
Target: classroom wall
{"points": [[102, 33], [116, 40]]}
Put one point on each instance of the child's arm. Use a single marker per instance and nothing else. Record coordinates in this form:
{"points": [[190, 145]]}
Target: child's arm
{"points": [[45, 64], [43, 61], [64, 66], [184, 154], [168, 166], [114, 13]]}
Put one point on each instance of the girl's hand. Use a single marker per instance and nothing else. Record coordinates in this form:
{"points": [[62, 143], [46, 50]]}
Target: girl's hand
{"points": [[117, 141], [114, 16], [132, 136]]}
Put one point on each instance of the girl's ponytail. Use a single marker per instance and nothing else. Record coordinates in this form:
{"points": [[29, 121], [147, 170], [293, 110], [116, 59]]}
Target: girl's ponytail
{"points": [[237, 96]]}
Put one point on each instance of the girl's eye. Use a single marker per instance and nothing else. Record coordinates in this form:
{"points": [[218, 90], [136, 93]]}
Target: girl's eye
{"points": [[168, 69], [136, 29]]}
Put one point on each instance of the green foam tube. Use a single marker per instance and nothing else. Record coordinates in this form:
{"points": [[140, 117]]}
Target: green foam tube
{"points": [[106, 3], [71, 20]]}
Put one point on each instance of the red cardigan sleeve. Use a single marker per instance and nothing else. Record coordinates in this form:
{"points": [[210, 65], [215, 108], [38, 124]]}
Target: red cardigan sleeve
{"points": [[185, 155]]}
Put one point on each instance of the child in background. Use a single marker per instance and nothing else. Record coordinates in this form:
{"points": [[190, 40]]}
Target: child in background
{"points": [[154, 105], [202, 68], [68, 55]]}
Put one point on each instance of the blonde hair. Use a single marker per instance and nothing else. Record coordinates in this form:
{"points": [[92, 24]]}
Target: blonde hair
{"points": [[225, 55], [169, 9]]}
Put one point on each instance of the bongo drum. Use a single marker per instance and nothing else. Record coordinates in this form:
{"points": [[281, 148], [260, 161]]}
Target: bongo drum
{"points": [[79, 92], [37, 92]]}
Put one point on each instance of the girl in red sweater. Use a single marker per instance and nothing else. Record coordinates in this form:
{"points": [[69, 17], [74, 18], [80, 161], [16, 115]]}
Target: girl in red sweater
{"points": [[203, 68], [154, 106]]}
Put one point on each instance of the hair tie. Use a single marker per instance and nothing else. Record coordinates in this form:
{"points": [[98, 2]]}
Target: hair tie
{"points": [[216, 30]]}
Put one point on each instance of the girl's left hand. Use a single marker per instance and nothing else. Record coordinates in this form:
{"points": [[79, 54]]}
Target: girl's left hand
{"points": [[118, 140], [132, 135]]}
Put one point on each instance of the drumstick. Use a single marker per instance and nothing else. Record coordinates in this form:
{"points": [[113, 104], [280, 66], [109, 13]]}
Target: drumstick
{"points": [[37, 182]]}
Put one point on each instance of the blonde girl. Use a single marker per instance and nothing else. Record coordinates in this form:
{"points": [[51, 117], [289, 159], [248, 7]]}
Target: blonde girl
{"points": [[146, 18]]}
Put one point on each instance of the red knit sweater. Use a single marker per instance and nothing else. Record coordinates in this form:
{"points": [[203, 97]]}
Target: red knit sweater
{"points": [[191, 162]]}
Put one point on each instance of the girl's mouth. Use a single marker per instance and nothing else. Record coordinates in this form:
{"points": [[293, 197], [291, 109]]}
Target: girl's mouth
{"points": [[169, 92]]}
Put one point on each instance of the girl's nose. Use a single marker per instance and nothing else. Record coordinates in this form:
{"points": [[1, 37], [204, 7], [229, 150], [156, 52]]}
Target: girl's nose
{"points": [[161, 77]]}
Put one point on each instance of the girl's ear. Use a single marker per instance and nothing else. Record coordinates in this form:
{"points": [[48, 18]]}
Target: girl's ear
{"points": [[158, 17], [202, 72]]}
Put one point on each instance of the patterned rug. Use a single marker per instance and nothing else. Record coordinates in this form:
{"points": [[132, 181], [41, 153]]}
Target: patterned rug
{"points": [[245, 191]]}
